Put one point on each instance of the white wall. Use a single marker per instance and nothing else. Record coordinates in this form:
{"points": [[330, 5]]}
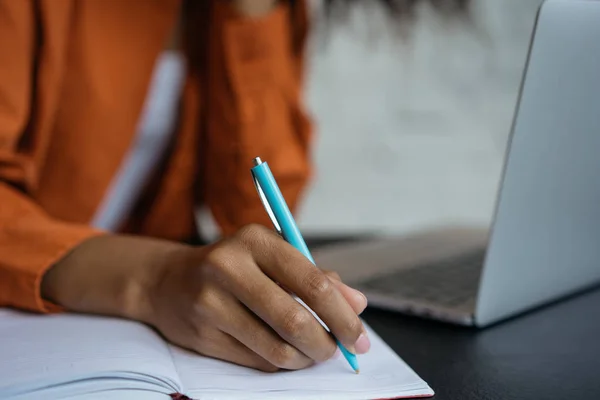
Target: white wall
{"points": [[411, 132]]}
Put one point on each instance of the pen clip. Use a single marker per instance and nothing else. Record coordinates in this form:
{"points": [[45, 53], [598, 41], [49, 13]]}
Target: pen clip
{"points": [[266, 205]]}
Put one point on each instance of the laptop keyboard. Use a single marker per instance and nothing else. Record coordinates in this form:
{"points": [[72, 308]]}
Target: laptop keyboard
{"points": [[451, 283]]}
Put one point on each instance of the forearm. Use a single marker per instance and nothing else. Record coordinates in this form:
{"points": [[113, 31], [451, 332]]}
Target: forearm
{"points": [[110, 275]]}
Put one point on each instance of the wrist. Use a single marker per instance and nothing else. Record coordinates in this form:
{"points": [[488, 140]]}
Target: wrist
{"points": [[148, 288], [110, 275]]}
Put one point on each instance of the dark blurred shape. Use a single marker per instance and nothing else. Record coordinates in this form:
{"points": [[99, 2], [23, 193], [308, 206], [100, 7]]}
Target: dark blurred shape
{"points": [[399, 9]]}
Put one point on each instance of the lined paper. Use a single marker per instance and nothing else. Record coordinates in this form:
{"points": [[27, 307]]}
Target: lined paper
{"points": [[69, 354], [383, 375], [79, 356]]}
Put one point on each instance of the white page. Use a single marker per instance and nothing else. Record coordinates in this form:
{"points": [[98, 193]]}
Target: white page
{"points": [[70, 355], [382, 375], [120, 395]]}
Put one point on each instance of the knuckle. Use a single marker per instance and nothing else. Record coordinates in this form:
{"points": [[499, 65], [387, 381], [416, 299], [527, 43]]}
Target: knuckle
{"points": [[207, 305], [215, 261], [251, 234], [318, 286], [204, 339], [333, 274], [203, 334], [283, 355], [295, 323], [220, 263]]}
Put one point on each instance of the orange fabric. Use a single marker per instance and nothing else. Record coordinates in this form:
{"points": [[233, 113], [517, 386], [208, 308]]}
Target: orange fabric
{"points": [[73, 79]]}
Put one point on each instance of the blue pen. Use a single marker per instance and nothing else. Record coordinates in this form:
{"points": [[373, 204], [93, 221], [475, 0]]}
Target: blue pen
{"points": [[284, 223]]}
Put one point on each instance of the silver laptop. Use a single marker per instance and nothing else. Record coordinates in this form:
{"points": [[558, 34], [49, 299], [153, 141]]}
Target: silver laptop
{"points": [[544, 241]]}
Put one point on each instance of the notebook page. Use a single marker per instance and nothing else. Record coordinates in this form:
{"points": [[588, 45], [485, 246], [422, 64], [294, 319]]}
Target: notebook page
{"points": [[119, 395], [69, 355], [382, 375]]}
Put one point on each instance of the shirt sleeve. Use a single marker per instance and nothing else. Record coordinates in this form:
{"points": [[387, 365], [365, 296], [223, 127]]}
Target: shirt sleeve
{"points": [[255, 109], [30, 240]]}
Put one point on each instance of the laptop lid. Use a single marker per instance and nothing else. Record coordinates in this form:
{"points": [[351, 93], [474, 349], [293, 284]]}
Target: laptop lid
{"points": [[545, 239]]}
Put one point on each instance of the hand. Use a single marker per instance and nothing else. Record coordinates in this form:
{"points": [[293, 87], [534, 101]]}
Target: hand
{"points": [[221, 301]]}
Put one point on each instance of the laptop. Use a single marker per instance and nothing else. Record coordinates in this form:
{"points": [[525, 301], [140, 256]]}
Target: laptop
{"points": [[544, 240]]}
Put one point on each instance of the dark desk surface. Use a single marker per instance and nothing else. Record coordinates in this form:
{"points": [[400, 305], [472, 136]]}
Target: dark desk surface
{"points": [[551, 353]]}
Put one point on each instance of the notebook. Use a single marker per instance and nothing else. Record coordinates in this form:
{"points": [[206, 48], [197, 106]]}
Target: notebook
{"points": [[71, 356]]}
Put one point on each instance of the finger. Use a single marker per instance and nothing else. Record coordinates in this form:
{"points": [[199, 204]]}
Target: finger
{"points": [[283, 263], [331, 274], [217, 344], [235, 270], [324, 298], [356, 299], [253, 333], [288, 318]]}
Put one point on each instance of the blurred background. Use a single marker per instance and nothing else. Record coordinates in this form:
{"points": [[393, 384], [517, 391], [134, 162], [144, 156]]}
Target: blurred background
{"points": [[411, 123]]}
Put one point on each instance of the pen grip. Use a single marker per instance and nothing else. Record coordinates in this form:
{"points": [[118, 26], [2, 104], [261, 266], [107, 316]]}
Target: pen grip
{"points": [[277, 208], [280, 209]]}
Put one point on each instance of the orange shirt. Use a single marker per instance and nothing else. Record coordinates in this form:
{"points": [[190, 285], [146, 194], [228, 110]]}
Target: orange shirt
{"points": [[73, 80]]}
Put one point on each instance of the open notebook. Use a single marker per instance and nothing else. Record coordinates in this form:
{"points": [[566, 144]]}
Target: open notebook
{"points": [[73, 357]]}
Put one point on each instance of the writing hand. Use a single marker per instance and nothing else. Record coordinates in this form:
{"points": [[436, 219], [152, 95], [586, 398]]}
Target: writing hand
{"points": [[225, 301]]}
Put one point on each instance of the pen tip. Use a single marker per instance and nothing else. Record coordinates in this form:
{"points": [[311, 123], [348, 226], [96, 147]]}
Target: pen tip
{"points": [[357, 371]]}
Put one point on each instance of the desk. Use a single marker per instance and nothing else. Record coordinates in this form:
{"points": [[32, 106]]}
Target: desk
{"points": [[551, 353]]}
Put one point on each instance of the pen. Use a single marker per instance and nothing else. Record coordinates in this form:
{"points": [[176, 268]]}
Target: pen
{"points": [[284, 224]]}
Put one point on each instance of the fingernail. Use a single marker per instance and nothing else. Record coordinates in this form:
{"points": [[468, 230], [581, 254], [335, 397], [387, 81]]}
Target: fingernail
{"points": [[361, 298], [363, 344]]}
